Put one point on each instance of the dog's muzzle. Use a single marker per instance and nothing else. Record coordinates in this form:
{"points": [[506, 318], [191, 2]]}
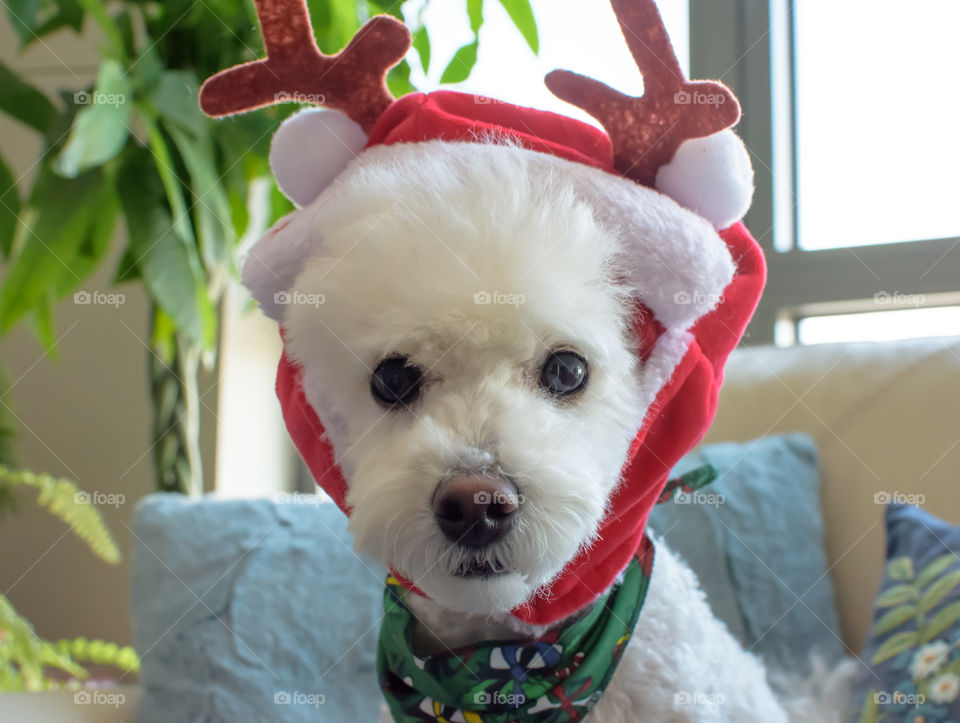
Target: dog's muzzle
{"points": [[475, 510]]}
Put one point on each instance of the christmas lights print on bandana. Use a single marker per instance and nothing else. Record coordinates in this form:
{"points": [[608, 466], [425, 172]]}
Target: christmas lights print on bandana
{"points": [[552, 679]]}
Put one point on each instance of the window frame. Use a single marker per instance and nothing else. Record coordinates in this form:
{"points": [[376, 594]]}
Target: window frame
{"points": [[749, 45]]}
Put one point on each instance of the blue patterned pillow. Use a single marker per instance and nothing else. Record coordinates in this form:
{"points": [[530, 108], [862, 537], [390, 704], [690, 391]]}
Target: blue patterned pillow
{"points": [[914, 646]]}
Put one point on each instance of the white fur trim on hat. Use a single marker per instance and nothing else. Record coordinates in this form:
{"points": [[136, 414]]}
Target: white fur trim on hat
{"points": [[310, 149], [711, 176]]}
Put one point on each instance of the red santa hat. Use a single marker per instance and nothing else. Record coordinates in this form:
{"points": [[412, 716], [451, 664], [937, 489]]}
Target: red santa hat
{"points": [[674, 139]]}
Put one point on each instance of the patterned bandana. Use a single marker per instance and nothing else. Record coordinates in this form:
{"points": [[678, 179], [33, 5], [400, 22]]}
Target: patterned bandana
{"points": [[555, 678], [552, 679]]}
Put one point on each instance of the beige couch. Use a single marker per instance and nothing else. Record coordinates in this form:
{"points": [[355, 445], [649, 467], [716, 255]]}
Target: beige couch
{"points": [[886, 418]]}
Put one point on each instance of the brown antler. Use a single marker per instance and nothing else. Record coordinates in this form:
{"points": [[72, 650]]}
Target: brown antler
{"points": [[353, 80], [647, 131]]}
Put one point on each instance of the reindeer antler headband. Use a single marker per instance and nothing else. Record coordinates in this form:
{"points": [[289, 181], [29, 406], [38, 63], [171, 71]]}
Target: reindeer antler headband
{"points": [[352, 81], [645, 132]]}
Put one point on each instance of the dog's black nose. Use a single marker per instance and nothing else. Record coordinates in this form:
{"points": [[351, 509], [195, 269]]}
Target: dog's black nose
{"points": [[475, 511]]}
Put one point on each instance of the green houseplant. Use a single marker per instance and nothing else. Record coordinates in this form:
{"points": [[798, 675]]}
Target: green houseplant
{"points": [[134, 149], [26, 660]]}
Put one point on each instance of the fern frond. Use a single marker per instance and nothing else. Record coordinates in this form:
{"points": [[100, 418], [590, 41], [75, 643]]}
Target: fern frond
{"points": [[65, 500], [24, 656], [100, 652]]}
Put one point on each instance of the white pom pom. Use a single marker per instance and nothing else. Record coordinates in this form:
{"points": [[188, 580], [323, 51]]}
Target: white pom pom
{"points": [[711, 176], [310, 149]]}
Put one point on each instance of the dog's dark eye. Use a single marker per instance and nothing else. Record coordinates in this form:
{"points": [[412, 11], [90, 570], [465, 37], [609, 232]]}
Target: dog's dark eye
{"points": [[563, 373], [396, 382]]}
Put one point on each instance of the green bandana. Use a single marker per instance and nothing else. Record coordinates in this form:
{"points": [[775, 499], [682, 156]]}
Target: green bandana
{"points": [[553, 679]]}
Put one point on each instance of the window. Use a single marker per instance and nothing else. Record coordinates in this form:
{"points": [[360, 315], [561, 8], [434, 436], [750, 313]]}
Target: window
{"points": [[568, 39], [852, 127]]}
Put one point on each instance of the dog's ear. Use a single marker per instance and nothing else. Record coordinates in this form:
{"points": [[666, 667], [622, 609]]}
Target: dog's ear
{"points": [[310, 149]]}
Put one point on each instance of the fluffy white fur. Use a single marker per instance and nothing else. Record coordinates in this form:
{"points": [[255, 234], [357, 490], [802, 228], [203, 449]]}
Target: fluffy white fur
{"points": [[676, 263], [310, 149], [475, 261], [711, 176]]}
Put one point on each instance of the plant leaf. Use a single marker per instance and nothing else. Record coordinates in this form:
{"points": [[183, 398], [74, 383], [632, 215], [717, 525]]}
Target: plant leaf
{"points": [[868, 714], [100, 130], [894, 646], [65, 500], [170, 269], [68, 14], [935, 568], [521, 14], [421, 43], [943, 620], [175, 98], [44, 325], [939, 590], [211, 205], [475, 15], [110, 26], [896, 595], [9, 209], [22, 101], [894, 618], [23, 16], [61, 216], [398, 79], [900, 568], [127, 269], [461, 65], [171, 184]]}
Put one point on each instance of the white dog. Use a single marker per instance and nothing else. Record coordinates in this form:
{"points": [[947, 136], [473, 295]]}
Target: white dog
{"points": [[485, 310], [434, 394]]}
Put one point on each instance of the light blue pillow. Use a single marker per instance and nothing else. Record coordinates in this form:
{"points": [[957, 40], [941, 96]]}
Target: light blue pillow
{"points": [[253, 611], [755, 539]]}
